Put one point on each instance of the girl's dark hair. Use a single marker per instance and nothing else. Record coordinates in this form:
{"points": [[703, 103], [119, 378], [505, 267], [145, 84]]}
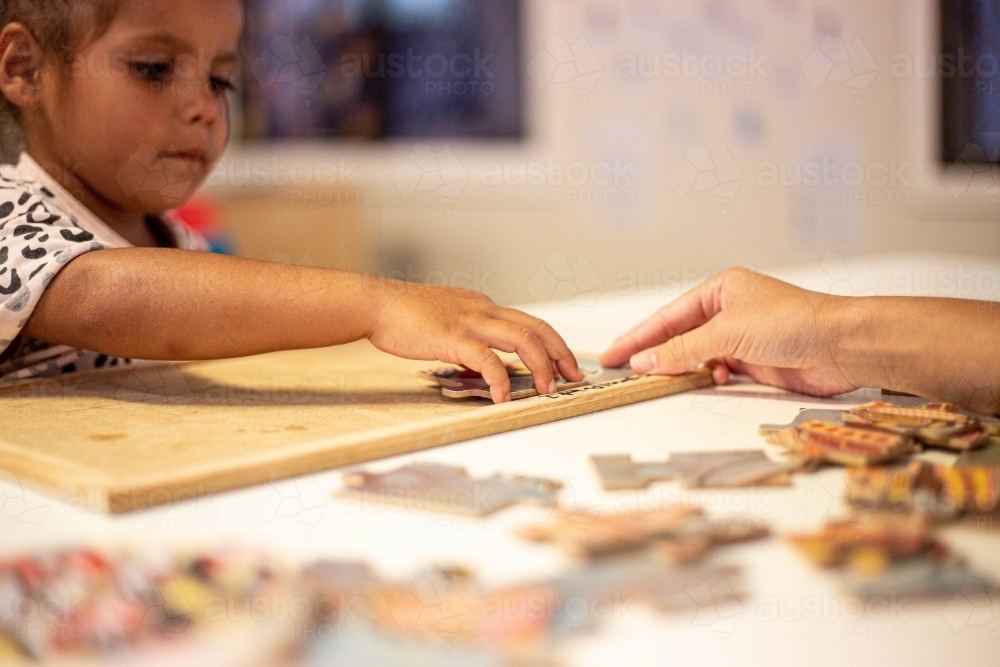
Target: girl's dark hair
{"points": [[61, 28]]}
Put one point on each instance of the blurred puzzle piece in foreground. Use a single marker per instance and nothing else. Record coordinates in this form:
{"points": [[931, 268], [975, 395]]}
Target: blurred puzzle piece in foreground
{"points": [[680, 534], [731, 468], [443, 488]]}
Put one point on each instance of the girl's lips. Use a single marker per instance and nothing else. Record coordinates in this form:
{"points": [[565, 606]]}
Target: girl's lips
{"points": [[187, 156]]}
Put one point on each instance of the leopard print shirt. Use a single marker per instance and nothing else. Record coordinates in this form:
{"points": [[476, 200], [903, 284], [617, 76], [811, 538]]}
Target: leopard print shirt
{"points": [[42, 228]]}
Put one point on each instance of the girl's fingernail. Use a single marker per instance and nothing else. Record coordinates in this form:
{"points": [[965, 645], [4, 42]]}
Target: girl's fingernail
{"points": [[643, 362], [552, 387]]}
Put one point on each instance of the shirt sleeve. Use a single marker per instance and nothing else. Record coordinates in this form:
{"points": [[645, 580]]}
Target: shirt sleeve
{"points": [[37, 239]]}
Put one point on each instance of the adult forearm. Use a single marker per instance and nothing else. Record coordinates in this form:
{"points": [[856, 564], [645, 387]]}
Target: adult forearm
{"points": [[173, 304], [943, 349]]}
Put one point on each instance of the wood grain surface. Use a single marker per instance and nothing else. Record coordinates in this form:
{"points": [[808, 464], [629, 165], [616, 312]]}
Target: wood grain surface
{"points": [[120, 440]]}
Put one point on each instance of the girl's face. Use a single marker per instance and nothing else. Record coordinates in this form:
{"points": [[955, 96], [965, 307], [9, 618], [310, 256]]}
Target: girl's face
{"points": [[141, 114]]}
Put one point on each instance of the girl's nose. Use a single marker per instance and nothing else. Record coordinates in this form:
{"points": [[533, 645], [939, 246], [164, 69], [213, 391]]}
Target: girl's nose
{"points": [[199, 103]]}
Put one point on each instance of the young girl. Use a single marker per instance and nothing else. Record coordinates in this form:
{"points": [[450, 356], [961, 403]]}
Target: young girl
{"points": [[121, 105]]}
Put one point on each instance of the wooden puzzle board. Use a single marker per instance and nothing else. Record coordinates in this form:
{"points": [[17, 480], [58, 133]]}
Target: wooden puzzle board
{"points": [[131, 438]]}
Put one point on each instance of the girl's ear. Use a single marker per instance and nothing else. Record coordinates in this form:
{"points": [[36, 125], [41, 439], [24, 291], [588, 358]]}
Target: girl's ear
{"points": [[21, 62]]}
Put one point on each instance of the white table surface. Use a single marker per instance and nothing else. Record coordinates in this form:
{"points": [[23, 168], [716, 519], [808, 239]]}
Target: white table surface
{"points": [[794, 613]]}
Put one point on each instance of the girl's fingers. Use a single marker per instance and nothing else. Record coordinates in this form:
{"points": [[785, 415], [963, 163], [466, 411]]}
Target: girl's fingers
{"points": [[555, 346], [480, 358], [511, 337]]}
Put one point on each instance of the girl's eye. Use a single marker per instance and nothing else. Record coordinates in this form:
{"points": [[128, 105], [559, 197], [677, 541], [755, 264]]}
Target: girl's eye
{"points": [[220, 86], [151, 70]]}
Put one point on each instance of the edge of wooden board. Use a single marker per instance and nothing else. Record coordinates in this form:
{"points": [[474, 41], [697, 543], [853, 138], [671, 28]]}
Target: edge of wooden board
{"points": [[326, 453]]}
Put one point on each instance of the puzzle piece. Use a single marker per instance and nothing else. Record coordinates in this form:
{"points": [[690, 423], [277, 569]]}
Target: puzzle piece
{"points": [[922, 577], [439, 616], [407, 620], [459, 382], [696, 469], [869, 546], [437, 603], [939, 424], [815, 442], [984, 457], [443, 488], [890, 554], [925, 487], [681, 532], [666, 589]]}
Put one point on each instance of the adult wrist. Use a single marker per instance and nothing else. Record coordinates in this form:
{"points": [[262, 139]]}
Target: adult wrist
{"points": [[858, 340]]}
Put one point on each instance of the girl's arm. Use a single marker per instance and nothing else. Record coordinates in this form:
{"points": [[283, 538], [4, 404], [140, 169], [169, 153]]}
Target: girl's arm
{"points": [[156, 303]]}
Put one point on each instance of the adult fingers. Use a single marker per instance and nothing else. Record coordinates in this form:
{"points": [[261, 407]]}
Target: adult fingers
{"points": [[555, 346], [477, 356], [683, 352], [687, 312], [512, 337]]}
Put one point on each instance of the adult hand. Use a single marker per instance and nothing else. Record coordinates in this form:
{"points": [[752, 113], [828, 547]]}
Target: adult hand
{"points": [[743, 322]]}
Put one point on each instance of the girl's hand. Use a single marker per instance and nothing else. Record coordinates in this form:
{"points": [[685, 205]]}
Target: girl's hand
{"points": [[461, 326], [743, 322]]}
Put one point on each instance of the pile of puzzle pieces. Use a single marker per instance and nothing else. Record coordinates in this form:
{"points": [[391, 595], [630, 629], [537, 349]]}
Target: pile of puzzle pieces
{"points": [[888, 547], [879, 432], [653, 555]]}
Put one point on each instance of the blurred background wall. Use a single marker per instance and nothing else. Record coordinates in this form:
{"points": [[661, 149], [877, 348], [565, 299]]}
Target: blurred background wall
{"points": [[636, 146]]}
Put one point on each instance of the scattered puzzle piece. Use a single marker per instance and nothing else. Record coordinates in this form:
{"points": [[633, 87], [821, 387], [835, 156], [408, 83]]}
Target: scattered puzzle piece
{"points": [[460, 382], [930, 488], [667, 589], [923, 577], [815, 442], [984, 457], [937, 424], [583, 534], [439, 616], [867, 546], [696, 469], [443, 488], [681, 533], [889, 555], [618, 471]]}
